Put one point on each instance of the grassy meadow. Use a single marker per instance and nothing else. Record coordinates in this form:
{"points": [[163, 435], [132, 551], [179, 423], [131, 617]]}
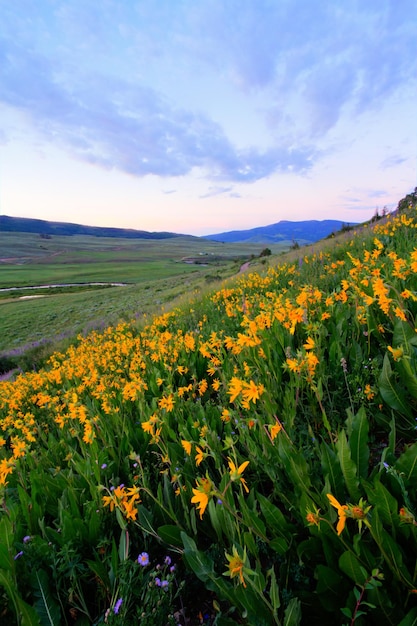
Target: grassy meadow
{"points": [[247, 457], [155, 273]]}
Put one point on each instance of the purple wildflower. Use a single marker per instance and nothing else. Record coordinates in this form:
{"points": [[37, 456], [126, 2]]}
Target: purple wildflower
{"points": [[168, 560], [18, 555], [143, 559], [117, 606]]}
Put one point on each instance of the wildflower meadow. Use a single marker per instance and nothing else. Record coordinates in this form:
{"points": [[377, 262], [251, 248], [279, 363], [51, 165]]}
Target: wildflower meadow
{"points": [[248, 458]]}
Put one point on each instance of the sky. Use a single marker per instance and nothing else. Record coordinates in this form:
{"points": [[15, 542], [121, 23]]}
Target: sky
{"points": [[204, 116]]}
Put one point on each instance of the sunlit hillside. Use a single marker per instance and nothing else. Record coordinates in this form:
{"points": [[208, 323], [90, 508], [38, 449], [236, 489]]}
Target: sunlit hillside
{"points": [[249, 458]]}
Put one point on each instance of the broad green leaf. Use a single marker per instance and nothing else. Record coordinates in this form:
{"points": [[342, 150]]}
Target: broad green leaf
{"points": [[145, 520], [170, 534], [407, 465], [295, 465], [5, 559], [29, 617], [46, 605], [348, 467], [274, 591], [215, 518], [279, 544], [404, 334], [350, 565], [274, 518], [329, 582], [26, 614], [358, 442], [99, 569], [252, 519], [387, 505], [293, 615], [390, 550], [410, 619], [407, 375], [331, 468], [124, 546], [390, 391], [250, 544], [200, 563]]}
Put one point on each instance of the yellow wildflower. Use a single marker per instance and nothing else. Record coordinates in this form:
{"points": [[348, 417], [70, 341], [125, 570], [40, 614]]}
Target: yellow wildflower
{"points": [[309, 344], [274, 429], [186, 445], [341, 511], [236, 565], [397, 353], [236, 472], [202, 494], [199, 457]]}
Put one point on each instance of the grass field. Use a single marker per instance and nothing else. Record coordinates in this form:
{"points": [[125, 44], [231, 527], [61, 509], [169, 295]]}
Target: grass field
{"points": [[157, 273]]}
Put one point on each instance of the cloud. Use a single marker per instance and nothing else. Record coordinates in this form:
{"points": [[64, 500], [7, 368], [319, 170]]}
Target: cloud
{"points": [[98, 82], [316, 60], [215, 191], [119, 124], [392, 161]]}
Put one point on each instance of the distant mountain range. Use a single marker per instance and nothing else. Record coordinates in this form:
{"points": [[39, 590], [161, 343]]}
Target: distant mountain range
{"points": [[307, 231], [284, 231], [48, 229]]}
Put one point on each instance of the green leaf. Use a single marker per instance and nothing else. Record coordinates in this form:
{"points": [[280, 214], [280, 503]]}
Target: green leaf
{"points": [[410, 619], [407, 465], [274, 518], [329, 581], [145, 520], [124, 545], [387, 505], [295, 465], [28, 614], [46, 606], [358, 442], [200, 563], [25, 614], [350, 565], [98, 568], [404, 333], [274, 591], [348, 467], [331, 468], [391, 550], [293, 615], [252, 519], [279, 544], [170, 534], [408, 377], [215, 518], [390, 391]]}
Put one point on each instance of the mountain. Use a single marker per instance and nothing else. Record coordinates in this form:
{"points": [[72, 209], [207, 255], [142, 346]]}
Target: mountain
{"points": [[308, 231], [47, 229]]}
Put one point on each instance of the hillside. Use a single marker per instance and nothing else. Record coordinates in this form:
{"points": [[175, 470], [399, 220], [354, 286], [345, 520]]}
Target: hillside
{"points": [[46, 228], [308, 231], [249, 456]]}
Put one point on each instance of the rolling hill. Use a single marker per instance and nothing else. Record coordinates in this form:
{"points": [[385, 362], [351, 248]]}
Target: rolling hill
{"points": [[307, 231], [47, 229]]}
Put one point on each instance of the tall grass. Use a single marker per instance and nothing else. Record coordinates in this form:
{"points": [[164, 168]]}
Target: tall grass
{"points": [[249, 458]]}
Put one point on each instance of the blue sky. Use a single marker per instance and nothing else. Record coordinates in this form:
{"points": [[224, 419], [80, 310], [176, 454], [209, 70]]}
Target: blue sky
{"points": [[201, 116]]}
